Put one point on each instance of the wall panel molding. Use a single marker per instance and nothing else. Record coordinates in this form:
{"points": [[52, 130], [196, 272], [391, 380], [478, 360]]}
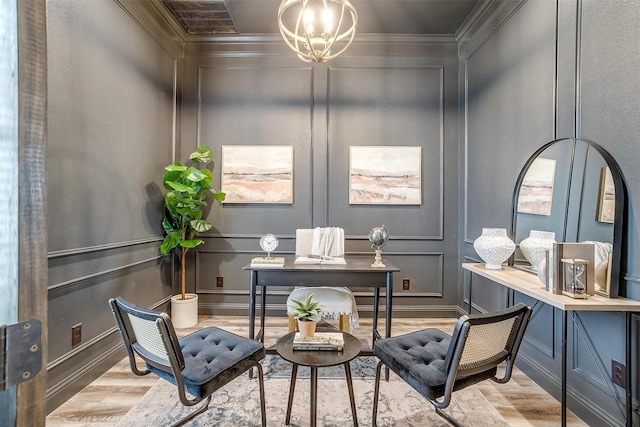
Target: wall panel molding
{"points": [[105, 247]]}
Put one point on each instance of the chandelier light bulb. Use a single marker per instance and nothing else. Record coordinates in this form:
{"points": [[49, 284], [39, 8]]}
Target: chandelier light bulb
{"points": [[297, 23], [327, 18]]}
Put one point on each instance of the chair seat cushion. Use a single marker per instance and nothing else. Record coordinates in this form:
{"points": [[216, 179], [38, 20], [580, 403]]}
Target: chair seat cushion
{"points": [[212, 358], [419, 359]]}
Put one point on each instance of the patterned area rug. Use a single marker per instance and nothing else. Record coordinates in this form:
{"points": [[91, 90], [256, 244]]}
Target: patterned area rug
{"points": [[237, 404]]}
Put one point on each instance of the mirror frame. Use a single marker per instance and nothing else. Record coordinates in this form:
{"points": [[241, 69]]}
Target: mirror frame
{"points": [[619, 251]]}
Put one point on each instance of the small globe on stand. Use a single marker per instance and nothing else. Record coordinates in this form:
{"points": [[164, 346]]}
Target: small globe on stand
{"points": [[378, 236]]}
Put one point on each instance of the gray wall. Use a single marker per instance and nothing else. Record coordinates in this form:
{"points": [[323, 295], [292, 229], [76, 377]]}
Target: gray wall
{"points": [[266, 96], [536, 71], [112, 90]]}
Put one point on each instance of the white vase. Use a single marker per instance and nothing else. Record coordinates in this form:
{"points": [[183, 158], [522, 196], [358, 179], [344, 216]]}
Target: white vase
{"points": [[494, 247], [184, 312], [534, 247]]}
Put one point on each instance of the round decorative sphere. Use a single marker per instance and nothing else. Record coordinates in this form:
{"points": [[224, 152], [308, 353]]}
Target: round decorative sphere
{"points": [[534, 246], [378, 236], [494, 247]]}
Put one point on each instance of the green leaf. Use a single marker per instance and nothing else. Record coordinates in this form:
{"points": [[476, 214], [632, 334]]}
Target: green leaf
{"points": [[176, 167], [306, 310], [167, 226], [201, 225], [202, 155], [218, 195], [170, 241], [195, 175], [191, 243], [180, 187]]}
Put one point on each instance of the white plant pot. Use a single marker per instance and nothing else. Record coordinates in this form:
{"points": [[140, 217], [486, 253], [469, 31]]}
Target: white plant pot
{"points": [[184, 312], [494, 247]]}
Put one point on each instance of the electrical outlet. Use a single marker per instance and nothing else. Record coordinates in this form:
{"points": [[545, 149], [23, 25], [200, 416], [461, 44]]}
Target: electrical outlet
{"points": [[219, 282], [406, 284], [618, 374], [76, 334]]}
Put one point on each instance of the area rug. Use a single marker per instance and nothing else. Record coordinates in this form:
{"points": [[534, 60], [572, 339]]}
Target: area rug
{"points": [[237, 404]]}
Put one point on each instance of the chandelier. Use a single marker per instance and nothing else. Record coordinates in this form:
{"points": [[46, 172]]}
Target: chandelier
{"points": [[311, 29]]}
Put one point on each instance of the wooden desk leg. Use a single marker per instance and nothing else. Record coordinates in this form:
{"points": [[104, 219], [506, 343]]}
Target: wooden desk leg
{"points": [[313, 397], [347, 373], [292, 389]]}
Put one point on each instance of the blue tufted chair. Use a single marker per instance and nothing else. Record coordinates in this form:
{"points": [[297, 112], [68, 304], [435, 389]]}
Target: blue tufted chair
{"points": [[199, 363], [436, 364]]}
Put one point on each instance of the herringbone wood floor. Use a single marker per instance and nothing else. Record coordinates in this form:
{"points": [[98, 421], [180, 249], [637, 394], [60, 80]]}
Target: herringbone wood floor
{"points": [[521, 402]]}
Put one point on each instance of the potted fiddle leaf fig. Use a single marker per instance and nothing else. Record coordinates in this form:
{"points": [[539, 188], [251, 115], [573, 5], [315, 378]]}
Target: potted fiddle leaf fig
{"points": [[307, 313], [188, 188]]}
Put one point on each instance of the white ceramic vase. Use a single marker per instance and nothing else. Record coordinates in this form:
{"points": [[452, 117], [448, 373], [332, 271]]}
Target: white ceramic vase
{"points": [[534, 247], [494, 247], [184, 312]]}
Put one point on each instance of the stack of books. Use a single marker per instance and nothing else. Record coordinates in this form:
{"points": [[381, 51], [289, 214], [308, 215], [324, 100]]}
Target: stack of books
{"points": [[332, 341], [267, 262]]}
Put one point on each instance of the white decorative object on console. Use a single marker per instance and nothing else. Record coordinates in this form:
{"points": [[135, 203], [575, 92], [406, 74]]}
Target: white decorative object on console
{"points": [[534, 246], [494, 247]]}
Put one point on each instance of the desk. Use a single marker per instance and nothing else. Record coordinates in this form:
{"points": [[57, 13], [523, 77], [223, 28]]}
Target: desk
{"points": [[315, 360], [529, 284], [356, 273]]}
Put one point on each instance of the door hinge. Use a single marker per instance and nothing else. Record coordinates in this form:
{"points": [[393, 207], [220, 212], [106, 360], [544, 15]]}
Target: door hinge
{"points": [[20, 352]]}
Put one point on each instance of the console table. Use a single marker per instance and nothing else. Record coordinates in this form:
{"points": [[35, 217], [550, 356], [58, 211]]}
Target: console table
{"points": [[356, 273], [529, 284]]}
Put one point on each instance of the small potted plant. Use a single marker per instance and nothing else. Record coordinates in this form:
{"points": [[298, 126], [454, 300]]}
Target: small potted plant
{"points": [[188, 188], [307, 313]]}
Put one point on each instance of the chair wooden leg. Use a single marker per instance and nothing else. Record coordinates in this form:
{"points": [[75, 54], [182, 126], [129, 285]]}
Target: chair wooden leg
{"points": [[345, 322], [293, 325]]}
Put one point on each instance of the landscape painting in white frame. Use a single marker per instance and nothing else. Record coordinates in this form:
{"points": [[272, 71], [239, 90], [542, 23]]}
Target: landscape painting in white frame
{"points": [[257, 173], [536, 191], [390, 175]]}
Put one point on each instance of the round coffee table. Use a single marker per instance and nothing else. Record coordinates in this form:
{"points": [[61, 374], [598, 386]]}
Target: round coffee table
{"points": [[315, 360]]}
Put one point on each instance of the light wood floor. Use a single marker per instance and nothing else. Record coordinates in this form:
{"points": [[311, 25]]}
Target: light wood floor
{"points": [[521, 402]]}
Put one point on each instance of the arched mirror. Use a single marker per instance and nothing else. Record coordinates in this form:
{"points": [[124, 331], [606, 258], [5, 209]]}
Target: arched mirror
{"points": [[574, 189]]}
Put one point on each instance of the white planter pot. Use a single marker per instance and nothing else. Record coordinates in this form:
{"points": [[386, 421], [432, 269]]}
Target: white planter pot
{"points": [[494, 247], [534, 247], [184, 312]]}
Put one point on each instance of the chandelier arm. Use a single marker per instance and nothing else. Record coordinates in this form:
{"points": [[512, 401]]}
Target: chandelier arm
{"points": [[333, 38], [284, 31]]}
